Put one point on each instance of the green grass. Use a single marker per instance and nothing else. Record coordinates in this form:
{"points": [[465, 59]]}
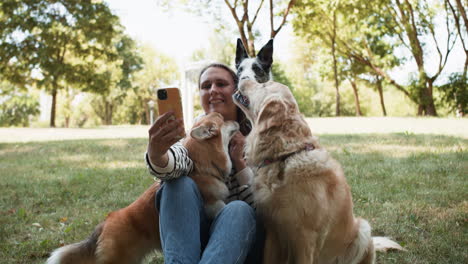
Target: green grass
{"points": [[410, 187]]}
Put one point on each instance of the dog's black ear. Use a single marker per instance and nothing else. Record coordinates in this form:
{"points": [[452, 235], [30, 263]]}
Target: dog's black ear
{"points": [[241, 53], [265, 55]]}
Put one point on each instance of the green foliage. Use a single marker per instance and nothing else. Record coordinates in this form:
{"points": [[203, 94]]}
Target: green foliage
{"points": [[16, 107], [158, 70], [120, 79], [279, 75], [54, 44], [455, 93], [310, 101], [221, 48], [76, 109], [367, 37]]}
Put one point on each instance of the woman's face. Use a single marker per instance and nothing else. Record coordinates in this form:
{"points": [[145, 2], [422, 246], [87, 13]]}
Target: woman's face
{"points": [[216, 89]]}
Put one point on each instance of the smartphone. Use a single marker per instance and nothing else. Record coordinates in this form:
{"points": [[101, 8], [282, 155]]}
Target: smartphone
{"points": [[169, 99]]}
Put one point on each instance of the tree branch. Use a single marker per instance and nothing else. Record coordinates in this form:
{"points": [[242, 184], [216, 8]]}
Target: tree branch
{"points": [[463, 13], [400, 27], [413, 37], [258, 10], [250, 42], [457, 23], [245, 17], [240, 23], [286, 12], [272, 28], [449, 48], [349, 52]]}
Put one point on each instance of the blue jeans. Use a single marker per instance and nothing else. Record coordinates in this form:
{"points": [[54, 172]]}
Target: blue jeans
{"points": [[188, 236]]}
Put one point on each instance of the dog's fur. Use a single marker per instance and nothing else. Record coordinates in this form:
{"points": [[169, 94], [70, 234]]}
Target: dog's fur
{"points": [[129, 234], [210, 155], [301, 194], [258, 68]]}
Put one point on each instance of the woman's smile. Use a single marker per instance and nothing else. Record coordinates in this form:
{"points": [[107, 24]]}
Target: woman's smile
{"points": [[216, 101]]}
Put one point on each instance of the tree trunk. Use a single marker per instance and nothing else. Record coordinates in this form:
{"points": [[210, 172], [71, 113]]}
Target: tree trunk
{"points": [[54, 104], [107, 113], [430, 106], [420, 110], [111, 114], [382, 103], [335, 69], [356, 98], [426, 105]]}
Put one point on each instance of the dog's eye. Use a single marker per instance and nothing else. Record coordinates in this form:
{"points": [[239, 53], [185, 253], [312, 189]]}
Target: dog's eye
{"points": [[258, 71], [240, 69]]}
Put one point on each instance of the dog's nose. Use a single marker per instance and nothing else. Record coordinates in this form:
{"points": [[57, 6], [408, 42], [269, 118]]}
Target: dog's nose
{"points": [[245, 78]]}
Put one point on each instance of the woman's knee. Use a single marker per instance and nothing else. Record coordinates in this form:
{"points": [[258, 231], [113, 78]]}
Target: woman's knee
{"points": [[181, 184], [240, 209], [180, 189]]}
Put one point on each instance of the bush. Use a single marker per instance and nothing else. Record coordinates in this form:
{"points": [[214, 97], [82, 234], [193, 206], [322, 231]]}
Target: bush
{"points": [[17, 108]]}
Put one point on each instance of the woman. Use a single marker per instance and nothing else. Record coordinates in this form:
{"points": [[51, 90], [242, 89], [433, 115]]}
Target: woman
{"points": [[187, 235]]}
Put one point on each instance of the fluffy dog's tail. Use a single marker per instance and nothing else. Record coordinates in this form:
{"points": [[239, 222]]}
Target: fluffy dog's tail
{"points": [[79, 253], [126, 236], [384, 243], [362, 248]]}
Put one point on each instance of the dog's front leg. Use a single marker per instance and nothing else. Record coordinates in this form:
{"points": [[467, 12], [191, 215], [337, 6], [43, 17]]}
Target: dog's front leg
{"points": [[272, 253], [306, 248]]}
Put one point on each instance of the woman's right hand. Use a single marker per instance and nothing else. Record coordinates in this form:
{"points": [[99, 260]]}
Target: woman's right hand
{"points": [[164, 133]]}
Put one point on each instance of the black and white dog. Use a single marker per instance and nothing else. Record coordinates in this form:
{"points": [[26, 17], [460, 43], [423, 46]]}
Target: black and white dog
{"points": [[258, 68]]}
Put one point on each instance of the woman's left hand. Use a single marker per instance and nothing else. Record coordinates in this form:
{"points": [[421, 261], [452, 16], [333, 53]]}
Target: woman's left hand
{"points": [[236, 151]]}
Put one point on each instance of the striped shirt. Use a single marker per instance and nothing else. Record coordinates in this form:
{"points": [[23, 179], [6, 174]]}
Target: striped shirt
{"points": [[238, 183]]}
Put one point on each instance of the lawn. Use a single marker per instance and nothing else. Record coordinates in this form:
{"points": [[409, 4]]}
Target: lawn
{"points": [[410, 185]]}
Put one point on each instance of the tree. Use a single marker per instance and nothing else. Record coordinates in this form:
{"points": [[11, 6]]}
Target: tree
{"points": [[374, 32], [159, 70], [323, 19], [245, 22], [55, 44], [455, 93], [306, 75], [352, 70], [245, 14], [119, 79], [16, 106], [412, 22], [460, 17], [455, 90], [374, 80], [221, 48]]}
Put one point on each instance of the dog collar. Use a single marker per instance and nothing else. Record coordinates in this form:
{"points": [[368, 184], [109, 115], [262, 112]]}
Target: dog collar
{"points": [[308, 147]]}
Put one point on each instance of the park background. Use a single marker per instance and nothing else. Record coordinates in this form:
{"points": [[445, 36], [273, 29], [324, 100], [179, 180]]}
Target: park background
{"points": [[71, 64], [382, 83]]}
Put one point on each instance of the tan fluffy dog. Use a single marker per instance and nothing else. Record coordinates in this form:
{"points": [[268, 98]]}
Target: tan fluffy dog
{"points": [[129, 234], [300, 190]]}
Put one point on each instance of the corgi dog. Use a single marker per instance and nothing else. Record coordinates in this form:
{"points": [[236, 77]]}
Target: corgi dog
{"points": [[258, 68], [127, 235]]}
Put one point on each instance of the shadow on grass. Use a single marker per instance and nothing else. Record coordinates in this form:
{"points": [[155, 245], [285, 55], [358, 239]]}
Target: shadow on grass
{"points": [[410, 187]]}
